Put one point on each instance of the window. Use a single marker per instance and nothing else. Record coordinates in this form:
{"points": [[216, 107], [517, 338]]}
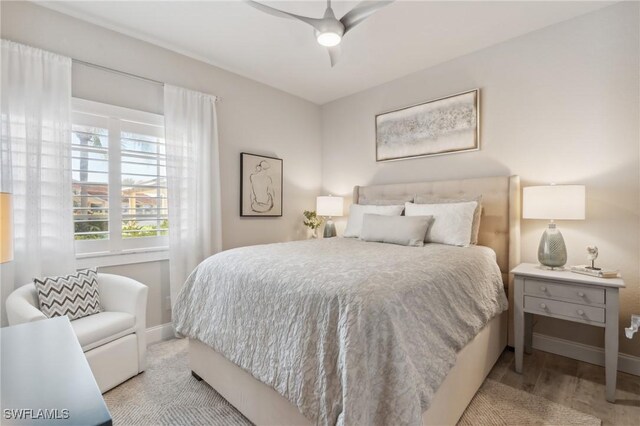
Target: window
{"points": [[119, 179]]}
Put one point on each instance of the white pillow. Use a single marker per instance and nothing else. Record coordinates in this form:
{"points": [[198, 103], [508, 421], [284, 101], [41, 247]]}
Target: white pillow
{"points": [[357, 211], [475, 228], [403, 230], [452, 222]]}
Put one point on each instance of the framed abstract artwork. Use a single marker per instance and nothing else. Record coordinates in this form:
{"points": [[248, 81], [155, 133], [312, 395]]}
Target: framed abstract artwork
{"points": [[260, 186], [441, 126]]}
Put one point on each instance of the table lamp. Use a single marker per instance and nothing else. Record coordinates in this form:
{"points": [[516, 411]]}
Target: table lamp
{"points": [[553, 202], [6, 238], [329, 207]]}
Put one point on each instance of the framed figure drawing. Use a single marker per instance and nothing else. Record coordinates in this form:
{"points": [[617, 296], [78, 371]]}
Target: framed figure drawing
{"points": [[441, 126], [260, 186]]}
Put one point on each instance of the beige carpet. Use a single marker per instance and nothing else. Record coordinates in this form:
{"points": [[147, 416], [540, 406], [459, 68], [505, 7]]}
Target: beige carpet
{"points": [[167, 394]]}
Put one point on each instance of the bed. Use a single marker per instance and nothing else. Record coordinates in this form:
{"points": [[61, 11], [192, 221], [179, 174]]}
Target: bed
{"points": [[351, 332]]}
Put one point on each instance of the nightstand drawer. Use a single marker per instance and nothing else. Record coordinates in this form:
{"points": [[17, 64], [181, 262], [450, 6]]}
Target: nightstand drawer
{"points": [[582, 313], [581, 294]]}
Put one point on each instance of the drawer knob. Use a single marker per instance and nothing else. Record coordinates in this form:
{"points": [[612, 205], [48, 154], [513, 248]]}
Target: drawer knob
{"points": [[580, 312], [581, 294], [543, 306], [543, 289]]}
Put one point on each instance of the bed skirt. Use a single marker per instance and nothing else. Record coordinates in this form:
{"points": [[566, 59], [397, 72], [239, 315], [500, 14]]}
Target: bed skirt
{"points": [[264, 406]]}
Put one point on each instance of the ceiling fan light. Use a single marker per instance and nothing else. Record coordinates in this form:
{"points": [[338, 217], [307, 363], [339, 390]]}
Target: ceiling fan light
{"points": [[329, 39]]}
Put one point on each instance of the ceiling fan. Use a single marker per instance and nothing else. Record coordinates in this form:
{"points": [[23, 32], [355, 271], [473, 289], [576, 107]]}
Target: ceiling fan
{"points": [[329, 30]]}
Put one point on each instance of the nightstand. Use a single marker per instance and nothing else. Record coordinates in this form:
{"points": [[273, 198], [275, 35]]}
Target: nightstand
{"points": [[568, 296]]}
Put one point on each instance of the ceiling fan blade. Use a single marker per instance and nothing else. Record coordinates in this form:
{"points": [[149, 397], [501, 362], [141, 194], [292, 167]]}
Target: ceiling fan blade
{"points": [[334, 54], [361, 12], [315, 23]]}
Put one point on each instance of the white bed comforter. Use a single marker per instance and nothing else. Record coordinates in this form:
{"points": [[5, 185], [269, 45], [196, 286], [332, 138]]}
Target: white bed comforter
{"points": [[351, 332]]}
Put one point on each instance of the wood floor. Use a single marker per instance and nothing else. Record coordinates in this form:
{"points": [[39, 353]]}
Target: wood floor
{"points": [[572, 383]]}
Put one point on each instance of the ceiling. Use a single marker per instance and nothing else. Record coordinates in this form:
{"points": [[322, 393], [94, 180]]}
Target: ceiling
{"points": [[402, 38]]}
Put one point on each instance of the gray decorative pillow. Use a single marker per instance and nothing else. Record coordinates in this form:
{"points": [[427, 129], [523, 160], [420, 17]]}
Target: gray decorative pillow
{"points": [[477, 215], [75, 295], [357, 212], [403, 230]]}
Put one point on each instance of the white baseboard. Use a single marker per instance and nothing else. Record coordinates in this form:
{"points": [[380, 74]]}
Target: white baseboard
{"points": [[159, 333], [587, 353]]}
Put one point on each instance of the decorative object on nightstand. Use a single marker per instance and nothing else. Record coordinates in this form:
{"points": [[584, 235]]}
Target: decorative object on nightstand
{"points": [[600, 273], [553, 202], [313, 222], [592, 255], [572, 297], [330, 207], [6, 236]]}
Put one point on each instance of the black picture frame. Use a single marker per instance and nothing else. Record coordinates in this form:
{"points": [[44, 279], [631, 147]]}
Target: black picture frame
{"points": [[269, 181]]}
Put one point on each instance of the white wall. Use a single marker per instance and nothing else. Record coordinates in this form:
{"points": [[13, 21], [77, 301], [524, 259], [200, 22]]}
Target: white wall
{"points": [[557, 105], [252, 117], [560, 104]]}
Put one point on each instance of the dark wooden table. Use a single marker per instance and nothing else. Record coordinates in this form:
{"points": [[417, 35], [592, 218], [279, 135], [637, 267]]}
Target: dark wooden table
{"points": [[45, 378]]}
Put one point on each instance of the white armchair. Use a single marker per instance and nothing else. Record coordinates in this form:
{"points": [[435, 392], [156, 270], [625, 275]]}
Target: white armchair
{"points": [[114, 340]]}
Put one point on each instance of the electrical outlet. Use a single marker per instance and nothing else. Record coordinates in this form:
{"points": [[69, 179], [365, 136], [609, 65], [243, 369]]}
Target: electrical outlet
{"points": [[635, 325]]}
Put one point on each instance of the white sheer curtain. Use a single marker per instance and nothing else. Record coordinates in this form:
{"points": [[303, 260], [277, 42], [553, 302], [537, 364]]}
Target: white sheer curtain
{"points": [[193, 181], [35, 157]]}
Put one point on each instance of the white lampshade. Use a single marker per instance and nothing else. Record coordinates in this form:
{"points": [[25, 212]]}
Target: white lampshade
{"points": [[555, 202], [329, 206], [6, 237]]}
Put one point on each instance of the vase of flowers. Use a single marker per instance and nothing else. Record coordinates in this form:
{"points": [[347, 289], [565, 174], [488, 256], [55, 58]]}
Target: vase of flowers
{"points": [[313, 222]]}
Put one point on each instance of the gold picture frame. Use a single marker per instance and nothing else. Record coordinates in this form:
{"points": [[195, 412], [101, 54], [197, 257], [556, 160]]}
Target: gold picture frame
{"points": [[446, 125]]}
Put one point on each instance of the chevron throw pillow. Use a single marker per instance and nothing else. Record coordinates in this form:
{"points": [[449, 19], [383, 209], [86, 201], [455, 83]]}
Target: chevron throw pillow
{"points": [[74, 295]]}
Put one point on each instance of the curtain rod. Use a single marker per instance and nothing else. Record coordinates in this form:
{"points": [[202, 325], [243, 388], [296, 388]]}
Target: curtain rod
{"points": [[127, 74]]}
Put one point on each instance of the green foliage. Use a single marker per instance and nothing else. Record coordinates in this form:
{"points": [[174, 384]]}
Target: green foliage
{"points": [[91, 228], [134, 230], [312, 220]]}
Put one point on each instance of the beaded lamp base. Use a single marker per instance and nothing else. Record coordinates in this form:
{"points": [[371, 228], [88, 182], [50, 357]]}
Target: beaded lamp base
{"points": [[552, 252], [329, 229]]}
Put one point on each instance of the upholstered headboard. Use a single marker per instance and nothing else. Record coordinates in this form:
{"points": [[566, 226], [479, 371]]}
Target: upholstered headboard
{"points": [[500, 223]]}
